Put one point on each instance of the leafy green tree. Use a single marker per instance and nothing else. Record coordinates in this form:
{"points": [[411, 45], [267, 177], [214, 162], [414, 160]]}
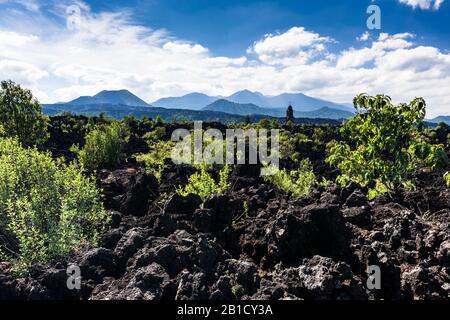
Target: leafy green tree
{"points": [[48, 206], [21, 115], [386, 144], [104, 146]]}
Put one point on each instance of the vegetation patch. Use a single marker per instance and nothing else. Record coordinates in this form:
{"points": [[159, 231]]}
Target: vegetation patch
{"points": [[46, 206], [203, 184], [298, 182], [104, 146], [385, 145]]}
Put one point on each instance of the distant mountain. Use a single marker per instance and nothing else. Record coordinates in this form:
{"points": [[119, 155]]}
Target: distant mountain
{"points": [[226, 106], [256, 98], [192, 101], [120, 111], [117, 97], [122, 102], [300, 102], [445, 119], [325, 113]]}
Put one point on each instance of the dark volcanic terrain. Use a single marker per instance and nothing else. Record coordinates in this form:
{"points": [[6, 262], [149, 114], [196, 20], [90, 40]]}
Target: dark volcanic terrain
{"points": [[164, 246]]}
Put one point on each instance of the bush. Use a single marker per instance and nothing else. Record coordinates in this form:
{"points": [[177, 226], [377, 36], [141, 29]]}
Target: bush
{"points": [[104, 146], [297, 182], [447, 178], [21, 115], [49, 207], [203, 185], [386, 144], [289, 145], [155, 159], [156, 135]]}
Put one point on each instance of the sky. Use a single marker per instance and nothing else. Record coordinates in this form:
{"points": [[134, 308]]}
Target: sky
{"points": [[158, 48]]}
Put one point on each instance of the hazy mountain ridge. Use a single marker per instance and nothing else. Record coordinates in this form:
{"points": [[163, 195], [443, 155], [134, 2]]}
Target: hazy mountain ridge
{"points": [[242, 109], [299, 101], [118, 97], [121, 111], [192, 101], [226, 106], [119, 103], [445, 119]]}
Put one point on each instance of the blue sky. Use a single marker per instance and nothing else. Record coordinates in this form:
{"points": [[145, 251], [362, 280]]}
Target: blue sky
{"points": [[228, 26], [159, 48]]}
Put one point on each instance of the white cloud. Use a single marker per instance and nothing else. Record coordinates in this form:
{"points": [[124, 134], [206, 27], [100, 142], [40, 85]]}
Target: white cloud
{"points": [[108, 51], [424, 4], [295, 45], [25, 73], [364, 37], [15, 39], [31, 5]]}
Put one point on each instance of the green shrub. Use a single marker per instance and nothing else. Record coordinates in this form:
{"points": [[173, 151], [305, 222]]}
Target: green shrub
{"points": [[386, 144], [21, 115], [203, 185], [154, 160], [289, 143], [155, 135], [447, 178], [48, 206], [297, 182], [104, 146]]}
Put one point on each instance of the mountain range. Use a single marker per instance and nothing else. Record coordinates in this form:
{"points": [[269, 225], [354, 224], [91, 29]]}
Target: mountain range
{"points": [[445, 119], [241, 103], [299, 101], [199, 106]]}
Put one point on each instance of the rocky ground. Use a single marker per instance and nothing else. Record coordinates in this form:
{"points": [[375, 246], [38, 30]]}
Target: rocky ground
{"points": [[316, 247]]}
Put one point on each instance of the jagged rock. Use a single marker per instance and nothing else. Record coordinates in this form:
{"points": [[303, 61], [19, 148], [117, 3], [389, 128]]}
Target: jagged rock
{"points": [[315, 229], [9, 288], [359, 216], [356, 199], [444, 253], [217, 214], [116, 219], [147, 283], [129, 243], [180, 205], [244, 273], [111, 238], [129, 190], [98, 263]]}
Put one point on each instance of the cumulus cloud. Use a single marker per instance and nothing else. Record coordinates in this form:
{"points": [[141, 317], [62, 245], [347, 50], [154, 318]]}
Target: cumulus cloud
{"points": [[295, 45], [424, 4], [109, 51], [364, 37]]}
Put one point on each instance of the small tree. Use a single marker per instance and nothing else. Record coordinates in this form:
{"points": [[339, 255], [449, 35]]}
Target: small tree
{"points": [[104, 146], [21, 115], [386, 144], [203, 185], [289, 115], [47, 206]]}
